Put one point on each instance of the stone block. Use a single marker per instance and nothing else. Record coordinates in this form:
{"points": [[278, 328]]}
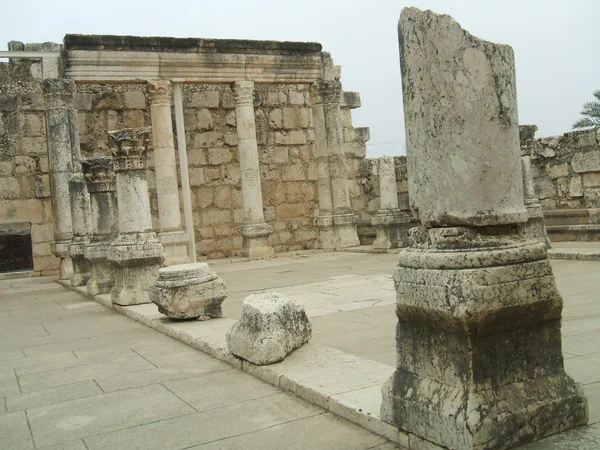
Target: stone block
{"points": [[206, 99], [227, 100], [297, 98], [188, 291], [33, 124], [586, 162], [231, 119], [35, 144], [83, 102], [9, 188], [133, 119], [223, 197], [271, 326], [204, 120], [546, 188], [558, 170], [591, 179], [292, 137], [232, 174], [219, 155], [275, 155], [231, 139], [294, 118], [110, 100], [591, 198], [196, 176], [216, 218], [206, 139], [204, 197], [292, 210], [197, 157], [575, 186], [24, 164], [135, 100], [212, 173], [293, 172], [276, 119], [6, 168], [275, 98]]}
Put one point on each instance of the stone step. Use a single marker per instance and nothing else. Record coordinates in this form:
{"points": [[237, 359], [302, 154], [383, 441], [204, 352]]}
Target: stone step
{"points": [[575, 253], [566, 217], [562, 233]]}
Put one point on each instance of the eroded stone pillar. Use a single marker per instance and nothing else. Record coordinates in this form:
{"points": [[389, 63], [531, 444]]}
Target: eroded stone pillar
{"points": [[478, 338], [173, 238], [390, 223], [336, 222], [136, 253], [80, 215], [59, 95], [255, 231], [101, 186]]}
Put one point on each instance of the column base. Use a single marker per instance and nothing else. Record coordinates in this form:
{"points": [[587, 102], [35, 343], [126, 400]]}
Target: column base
{"points": [[101, 273], [536, 225], [337, 231], [391, 226], [60, 249], [255, 241], [81, 267], [480, 364], [175, 244], [136, 258]]}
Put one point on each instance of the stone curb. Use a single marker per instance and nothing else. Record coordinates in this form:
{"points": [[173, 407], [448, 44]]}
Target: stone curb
{"points": [[346, 385], [578, 254]]}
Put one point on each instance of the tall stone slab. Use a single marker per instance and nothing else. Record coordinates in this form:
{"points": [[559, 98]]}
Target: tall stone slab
{"points": [[336, 223], [478, 338], [80, 216], [172, 236], [390, 223], [101, 184], [255, 231], [136, 253], [60, 122]]}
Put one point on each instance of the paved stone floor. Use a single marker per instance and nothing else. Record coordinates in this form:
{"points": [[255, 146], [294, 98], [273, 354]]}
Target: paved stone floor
{"points": [[77, 375]]}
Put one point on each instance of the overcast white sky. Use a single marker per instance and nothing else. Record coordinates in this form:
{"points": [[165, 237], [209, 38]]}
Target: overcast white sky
{"points": [[556, 43]]}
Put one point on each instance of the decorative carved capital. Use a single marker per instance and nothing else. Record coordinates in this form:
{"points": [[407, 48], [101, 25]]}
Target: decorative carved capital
{"points": [[99, 174], [131, 145], [159, 92], [326, 91], [244, 92], [58, 92]]}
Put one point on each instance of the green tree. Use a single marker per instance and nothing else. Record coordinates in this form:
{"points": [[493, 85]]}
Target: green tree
{"points": [[592, 112]]}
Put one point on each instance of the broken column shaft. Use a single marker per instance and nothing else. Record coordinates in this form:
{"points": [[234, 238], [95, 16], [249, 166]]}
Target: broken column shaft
{"points": [[478, 338]]}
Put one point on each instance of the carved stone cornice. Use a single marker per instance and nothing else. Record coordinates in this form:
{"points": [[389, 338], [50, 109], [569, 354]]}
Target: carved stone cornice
{"points": [[159, 92], [99, 174], [131, 145], [244, 92]]}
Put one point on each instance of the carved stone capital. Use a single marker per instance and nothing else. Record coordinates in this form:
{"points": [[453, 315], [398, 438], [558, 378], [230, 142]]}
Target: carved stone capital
{"points": [[159, 92], [99, 174], [131, 145], [244, 92], [326, 91]]}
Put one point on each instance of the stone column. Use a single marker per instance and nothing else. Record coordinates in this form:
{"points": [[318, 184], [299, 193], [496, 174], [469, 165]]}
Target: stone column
{"points": [[101, 186], [59, 95], [80, 215], [536, 226], [136, 253], [478, 338], [173, 238], [329, 141], [255, 231], [390, 223]]}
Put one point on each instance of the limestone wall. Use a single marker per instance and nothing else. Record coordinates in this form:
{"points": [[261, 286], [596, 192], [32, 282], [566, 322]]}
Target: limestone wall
{"points": [[285, 138], [566, 169], [24, 180]]}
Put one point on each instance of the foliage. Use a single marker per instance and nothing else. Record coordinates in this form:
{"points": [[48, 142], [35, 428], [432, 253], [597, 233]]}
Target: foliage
{"points": [[591, 111]]}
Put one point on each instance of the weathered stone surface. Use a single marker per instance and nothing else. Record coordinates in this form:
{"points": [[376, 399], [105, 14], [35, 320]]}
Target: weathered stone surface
{"points": [[188, 291], [470, 92], [271, 327], [586, 162]]}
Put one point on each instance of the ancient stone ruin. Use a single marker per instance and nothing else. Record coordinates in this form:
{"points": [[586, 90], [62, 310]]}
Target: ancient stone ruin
{"points": [[478, 337]]}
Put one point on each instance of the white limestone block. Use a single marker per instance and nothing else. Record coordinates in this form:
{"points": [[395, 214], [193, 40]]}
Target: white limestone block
{"points": [[270, 328]]}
